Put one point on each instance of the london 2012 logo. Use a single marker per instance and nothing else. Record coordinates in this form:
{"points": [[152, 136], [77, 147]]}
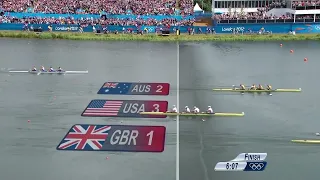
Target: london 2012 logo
{"points": [[244, 162]]}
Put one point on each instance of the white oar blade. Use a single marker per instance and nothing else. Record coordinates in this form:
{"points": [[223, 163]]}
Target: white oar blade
{"points": [[55, 72], [18, 71], [77, 72]]}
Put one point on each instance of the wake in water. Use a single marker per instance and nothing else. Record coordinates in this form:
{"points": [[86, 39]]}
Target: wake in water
{"points": [[6, 70]]}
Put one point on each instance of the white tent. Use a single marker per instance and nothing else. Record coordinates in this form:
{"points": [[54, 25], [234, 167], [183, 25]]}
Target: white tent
{"points": [[197, 8]]}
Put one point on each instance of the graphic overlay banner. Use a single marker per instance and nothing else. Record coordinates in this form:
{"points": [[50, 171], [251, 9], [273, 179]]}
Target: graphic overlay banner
{"points": [[135, 88], [124, 108], [244, 162], [86, 137]]}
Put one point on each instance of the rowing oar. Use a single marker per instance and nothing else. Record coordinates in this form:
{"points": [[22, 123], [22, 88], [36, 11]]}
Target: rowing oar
{"points": [[39, 73], [270, 94], [239, 86]]}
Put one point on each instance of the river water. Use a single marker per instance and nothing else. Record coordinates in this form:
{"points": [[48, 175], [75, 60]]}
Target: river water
{"points": [[270, 121], [54, 103]]}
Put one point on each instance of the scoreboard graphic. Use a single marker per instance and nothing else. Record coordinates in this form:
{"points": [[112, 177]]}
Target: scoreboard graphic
{"points": [[129, 138], [244, 162], [134, 88], [124, 108], [126, 138]]}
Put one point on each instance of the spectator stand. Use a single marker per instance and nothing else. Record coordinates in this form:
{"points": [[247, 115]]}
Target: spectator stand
{"points": [[137, 7], [267, 12], [147, 13], [97, 16]]}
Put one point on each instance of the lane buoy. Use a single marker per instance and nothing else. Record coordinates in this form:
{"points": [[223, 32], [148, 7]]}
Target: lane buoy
{"points": [[305, 59], [291, 51], [280, 45]]}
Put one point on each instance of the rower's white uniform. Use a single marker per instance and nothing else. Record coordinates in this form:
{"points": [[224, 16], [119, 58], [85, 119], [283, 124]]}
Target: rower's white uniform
{"points": [[210, 110], [187, 110], [42, 68], [174, 109], [34, 69], [196, 110], [59, 69], [51, 69]]}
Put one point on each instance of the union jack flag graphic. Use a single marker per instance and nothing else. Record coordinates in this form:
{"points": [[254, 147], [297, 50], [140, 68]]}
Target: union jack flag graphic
{"points": [[110, 85], [85, 138]]}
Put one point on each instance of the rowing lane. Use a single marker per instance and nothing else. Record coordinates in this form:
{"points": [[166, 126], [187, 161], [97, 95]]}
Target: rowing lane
{"points": [[270, 122], [54, 103]]}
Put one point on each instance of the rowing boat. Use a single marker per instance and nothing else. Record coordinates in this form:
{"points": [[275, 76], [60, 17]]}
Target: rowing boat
{"points": [[193, 114], [311, 141], [55, 72], [265, 90]]}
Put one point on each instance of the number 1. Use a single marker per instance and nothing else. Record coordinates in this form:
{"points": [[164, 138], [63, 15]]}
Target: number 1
{"points": [[150, 135]]}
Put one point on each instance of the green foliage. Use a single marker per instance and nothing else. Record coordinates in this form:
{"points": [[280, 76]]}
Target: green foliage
{"points": [[154, 37]]}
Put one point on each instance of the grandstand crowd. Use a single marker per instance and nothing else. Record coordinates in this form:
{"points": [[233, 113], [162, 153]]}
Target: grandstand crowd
{"points": [[101, 21], [127, 7], [136, 7], [309, 4], [113, 7], [261, 13]]}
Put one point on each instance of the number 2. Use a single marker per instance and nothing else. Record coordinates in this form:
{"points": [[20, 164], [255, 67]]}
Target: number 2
{"points": [[156, 108], [159, 88], [150, 135]]}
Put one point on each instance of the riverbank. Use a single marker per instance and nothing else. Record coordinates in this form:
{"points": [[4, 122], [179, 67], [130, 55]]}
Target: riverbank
{"points": [[154, 37]]}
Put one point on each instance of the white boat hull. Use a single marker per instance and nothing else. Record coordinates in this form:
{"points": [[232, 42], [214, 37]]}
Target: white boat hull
{"points": [[47, 72]]}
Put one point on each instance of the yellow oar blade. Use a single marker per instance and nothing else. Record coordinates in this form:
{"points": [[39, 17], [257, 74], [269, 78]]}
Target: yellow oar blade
{"points": [[288, 90], [306, 141], [193, 114]]}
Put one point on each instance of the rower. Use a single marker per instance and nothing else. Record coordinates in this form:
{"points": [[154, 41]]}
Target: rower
{"points": [[253, 87], [34, 68], [173, 110], [51, 69], [210, 110], [187, 110], [260, 87], [242, 87], [60, 69], [196, 110], [43, 69], [269, 87]]}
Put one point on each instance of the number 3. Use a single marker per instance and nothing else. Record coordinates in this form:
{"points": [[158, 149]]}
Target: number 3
{"points": [[159, 88], [156, 108]]}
